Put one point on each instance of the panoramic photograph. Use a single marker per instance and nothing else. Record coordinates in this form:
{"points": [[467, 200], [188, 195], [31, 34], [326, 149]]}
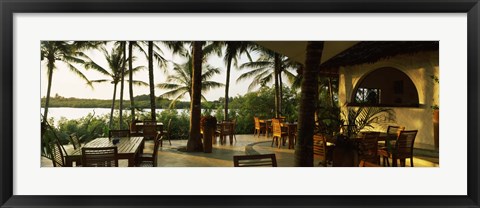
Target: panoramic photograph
{"points": [[319, 104]]}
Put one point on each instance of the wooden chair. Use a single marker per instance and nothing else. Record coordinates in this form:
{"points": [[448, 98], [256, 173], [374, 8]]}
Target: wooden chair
{"points": [[368, 149], [403, 149], [57, 154], [150, 160], [364, 163], [234, 121], [278, 133], [75, 141], [166, 133], [100, 157], [320, 148], [226, 129], [258, 127], [150, 130], [118, 133], [266, 160]]}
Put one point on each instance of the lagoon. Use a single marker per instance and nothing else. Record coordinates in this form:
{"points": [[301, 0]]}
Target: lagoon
{"points": [[75, 113]]}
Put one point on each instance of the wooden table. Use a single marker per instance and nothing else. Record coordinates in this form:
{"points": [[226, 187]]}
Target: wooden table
{"points": [[128, 148]]}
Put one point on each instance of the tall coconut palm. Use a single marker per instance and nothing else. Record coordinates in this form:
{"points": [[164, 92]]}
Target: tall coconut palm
{"points": [[61, 51], [179, 83], [233, 51], [156, 55], [269, 66], [194, 142], [151, 82], [309, 90], [116, 63]]}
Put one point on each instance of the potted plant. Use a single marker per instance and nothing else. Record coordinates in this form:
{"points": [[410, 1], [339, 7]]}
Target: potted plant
{"points": [[436, 116]]}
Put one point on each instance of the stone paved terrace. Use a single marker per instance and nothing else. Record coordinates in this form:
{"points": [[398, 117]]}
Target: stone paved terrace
{"points": [[222, 155]]}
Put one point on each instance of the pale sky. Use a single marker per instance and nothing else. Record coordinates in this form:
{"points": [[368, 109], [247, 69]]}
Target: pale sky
{"points": [[67, 84]]}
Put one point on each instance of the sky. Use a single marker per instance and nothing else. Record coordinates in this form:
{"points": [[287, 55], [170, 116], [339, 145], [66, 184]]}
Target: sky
{"points": [[67, 84]]}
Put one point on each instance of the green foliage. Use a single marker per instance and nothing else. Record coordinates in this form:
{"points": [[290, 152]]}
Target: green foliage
{"points": [[261, 104], [180, 124], [365, 117]]}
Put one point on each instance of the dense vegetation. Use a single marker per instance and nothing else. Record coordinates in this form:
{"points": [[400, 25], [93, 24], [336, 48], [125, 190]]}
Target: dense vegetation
{"points": [[141, 102], [243, 108]]}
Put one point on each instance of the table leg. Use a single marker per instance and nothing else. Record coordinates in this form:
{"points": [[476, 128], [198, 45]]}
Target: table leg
{"points": [[131, 161]]}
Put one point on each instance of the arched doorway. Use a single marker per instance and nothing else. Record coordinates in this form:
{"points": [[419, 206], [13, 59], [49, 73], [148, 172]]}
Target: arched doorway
{"points": [[386, 86]]}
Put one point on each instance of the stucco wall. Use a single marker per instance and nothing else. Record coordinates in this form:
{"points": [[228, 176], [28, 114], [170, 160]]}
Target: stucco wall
{"points": [[419, 68]]}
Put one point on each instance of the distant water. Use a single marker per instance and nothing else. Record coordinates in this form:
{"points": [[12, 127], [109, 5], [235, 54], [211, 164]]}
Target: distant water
{"points": [[76, 113]]}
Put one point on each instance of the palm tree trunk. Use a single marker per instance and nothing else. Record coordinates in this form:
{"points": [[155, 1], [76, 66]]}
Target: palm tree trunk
{"points": [[113, 104], [227, 86], [122, 79], [50, 65], [277, 92], [150, 77], [194, 143], [280, 102], [130, 77], [306, 120]]}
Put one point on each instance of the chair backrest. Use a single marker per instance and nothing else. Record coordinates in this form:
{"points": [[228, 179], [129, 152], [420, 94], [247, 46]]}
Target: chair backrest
{"points": [[394, 131], [369, 146], [150, 130], [57, 155], [266, 160], [277, 129], [75, 141], [404, 144], [155, 149], [257, 122], [226, 127], [320, 146], [100, 157], [364, 163], [118, 133]]}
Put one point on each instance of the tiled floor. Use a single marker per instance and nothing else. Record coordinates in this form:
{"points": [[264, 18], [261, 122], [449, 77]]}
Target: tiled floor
{"points": [[222, 155]]}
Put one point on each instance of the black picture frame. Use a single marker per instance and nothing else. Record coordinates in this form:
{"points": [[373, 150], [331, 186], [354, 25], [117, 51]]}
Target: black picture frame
{"points": [[10, 7]]}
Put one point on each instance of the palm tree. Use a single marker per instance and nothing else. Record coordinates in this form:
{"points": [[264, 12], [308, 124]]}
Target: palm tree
{"points": [[156, 55], [309, 90], [179, 83], [116, 63], [62, 51], [194, 142], [269, 66], [233, 50], [150, 79]]}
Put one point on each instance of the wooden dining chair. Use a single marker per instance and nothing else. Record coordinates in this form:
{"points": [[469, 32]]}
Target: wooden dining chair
{"points": [[100, 157], [403, 149], [278, 133], [265, 160], [320, 148], [57, 154], [167, 133], [75, 141], [368, 147], [150, 131], [226, 129], [118, 133], [150, 159], [259, 128]]}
